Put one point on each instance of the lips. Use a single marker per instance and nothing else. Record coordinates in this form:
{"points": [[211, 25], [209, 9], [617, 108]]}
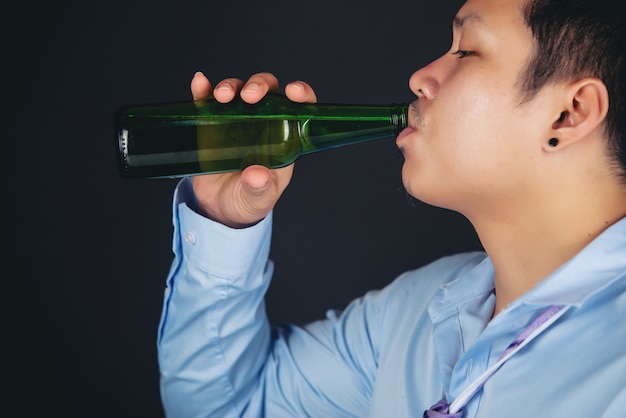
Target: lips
{"points": [[405, 132]]}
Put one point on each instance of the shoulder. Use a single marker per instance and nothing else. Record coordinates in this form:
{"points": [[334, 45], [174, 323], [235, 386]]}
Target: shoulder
{"points": [[437, 273]]}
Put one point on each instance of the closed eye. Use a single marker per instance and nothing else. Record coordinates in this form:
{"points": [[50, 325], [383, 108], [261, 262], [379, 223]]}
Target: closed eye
{"points": [[462, 54]]}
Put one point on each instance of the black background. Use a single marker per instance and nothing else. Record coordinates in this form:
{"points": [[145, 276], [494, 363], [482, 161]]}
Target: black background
{"points": [[85, 253]]}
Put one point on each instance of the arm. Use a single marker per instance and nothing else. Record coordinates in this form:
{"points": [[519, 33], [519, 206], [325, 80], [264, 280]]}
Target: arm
{"points": [[218, 356], [214, 336]]}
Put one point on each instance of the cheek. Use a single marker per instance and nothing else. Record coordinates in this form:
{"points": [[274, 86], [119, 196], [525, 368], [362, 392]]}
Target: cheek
{"points": [[464, 128], [460, 149]]}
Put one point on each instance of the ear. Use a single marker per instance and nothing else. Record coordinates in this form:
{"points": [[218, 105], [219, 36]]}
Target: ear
{"points": [[584, 111]]}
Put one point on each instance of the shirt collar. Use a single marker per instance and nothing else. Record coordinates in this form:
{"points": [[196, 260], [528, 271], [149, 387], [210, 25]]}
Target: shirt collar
{"points": [[470, 286], [596, 267]]}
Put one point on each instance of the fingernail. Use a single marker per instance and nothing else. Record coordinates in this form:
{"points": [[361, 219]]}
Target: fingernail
{"points": [[252, 87], [198, 74], [224, 87]]}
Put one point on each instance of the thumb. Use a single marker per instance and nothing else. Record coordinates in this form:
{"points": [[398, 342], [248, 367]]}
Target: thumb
{"points": [[255, 180], [261, 188], [258, 193]]}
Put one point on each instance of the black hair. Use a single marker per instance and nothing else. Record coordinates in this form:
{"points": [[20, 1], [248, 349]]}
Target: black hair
{"points": [[577, 39]]}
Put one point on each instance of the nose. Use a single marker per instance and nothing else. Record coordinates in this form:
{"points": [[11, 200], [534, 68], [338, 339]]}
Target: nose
{"points": [[424, 82]]}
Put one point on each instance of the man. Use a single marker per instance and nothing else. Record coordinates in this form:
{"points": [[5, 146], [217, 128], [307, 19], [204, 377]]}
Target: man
{"points": [[521, 128]]}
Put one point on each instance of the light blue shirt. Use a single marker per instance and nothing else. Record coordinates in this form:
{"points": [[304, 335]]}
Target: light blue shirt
{"points": [[395, 351]]}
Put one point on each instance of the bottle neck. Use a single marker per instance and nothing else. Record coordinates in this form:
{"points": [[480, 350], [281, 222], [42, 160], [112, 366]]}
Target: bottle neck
{"points": [[332, 126]]}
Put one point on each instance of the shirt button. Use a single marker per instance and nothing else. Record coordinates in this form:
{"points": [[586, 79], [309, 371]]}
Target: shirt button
{"points": [[190, 238]]}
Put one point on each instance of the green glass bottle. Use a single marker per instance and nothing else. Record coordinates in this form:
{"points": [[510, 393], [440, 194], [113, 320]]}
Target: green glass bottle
{"points": [[190, 138]]}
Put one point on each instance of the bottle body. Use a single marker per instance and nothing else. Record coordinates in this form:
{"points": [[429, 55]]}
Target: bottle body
{"points": [[189, 138]]}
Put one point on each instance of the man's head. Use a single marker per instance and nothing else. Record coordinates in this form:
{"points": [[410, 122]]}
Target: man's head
{"points": [[491, 109], [582, 38]]}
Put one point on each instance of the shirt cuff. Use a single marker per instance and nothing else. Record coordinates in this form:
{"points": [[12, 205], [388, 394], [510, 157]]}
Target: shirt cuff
{"points": [[213, 247]]}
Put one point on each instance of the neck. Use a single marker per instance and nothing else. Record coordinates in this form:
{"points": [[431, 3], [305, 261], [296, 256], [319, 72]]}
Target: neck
{"points": [[530, 239]]}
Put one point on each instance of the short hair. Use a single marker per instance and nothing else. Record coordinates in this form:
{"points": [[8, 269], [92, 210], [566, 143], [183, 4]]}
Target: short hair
{"points": [[577, 39]]}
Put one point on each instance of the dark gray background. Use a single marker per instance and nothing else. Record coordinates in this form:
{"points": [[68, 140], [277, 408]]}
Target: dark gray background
{"points": [[85, 253]]}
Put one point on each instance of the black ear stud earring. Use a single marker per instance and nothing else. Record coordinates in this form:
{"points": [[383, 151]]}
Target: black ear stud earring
{"points": [[553, 142]]}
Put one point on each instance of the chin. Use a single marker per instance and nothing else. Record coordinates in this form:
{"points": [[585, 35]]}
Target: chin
{"points": [[413, 190], [425, 190], [412, 182]]}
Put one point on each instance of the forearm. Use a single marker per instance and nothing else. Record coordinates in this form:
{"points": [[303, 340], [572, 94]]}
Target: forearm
{"points": [[214, 336]]}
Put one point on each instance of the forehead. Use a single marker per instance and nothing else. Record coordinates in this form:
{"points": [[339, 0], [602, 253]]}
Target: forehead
{"points": [[492, 14]]}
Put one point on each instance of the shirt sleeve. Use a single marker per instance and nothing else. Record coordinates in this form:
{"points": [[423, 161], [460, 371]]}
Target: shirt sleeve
{"points": [[218, 355], [213, 336]]}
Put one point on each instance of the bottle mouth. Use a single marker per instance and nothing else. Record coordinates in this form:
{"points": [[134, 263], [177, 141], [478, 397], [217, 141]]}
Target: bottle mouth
{"points": [[400, 117]]}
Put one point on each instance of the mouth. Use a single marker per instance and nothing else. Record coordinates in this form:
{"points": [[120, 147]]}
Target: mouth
{"points": [[415, 119], [405, 132]]}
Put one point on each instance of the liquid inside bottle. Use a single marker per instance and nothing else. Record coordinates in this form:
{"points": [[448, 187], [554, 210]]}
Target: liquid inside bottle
{"points": [[179, 139]]}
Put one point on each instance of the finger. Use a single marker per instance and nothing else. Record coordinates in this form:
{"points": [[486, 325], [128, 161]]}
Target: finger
{"points": [[200, 86], [226, 89], [299, 91], [257, 87], [263, 187]]}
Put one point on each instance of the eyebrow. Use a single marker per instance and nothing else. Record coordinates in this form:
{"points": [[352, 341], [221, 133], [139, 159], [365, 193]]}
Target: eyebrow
{"points": [[459, 21]]}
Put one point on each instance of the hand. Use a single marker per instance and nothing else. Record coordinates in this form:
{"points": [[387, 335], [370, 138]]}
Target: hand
{"points": [[242, 199]]}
